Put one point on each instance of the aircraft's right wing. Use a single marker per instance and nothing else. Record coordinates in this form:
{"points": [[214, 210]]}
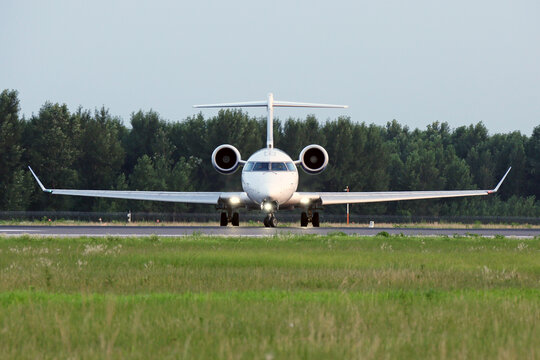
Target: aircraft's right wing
{"points": [[212, 198], [333, 198]]}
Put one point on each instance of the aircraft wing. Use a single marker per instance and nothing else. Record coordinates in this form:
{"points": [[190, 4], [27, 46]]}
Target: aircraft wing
{"points": [[332, 198], [212, 198]]}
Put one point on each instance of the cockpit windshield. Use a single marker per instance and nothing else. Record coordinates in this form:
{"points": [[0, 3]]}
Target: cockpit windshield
{"points": [[261, 166], [269, 166], [249, 166], [279, 166]]}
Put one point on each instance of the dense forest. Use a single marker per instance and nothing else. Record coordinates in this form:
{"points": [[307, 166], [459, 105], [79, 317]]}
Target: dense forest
{"points": [[95, 150]]}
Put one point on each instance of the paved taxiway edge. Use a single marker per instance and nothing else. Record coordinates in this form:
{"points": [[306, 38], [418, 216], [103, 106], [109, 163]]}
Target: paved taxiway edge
{"points": [[172, 231]]}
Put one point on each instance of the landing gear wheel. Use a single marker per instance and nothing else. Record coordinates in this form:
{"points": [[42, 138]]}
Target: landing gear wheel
{"points": [[223, 221], [270, 221], [303, 219], [315, 219], [235, 221]]}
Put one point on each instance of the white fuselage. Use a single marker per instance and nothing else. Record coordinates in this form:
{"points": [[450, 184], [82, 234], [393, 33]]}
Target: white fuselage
{"points": [[270, 175]]}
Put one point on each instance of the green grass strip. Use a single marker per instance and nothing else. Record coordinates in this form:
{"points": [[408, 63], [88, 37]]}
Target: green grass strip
{"points": [[25, 297]]}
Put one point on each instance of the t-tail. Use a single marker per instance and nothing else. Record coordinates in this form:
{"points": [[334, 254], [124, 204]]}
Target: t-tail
{"points": [[270, 104]]}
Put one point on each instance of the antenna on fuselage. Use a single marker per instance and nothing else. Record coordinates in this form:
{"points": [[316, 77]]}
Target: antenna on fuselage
{"points": [[270, 103]]}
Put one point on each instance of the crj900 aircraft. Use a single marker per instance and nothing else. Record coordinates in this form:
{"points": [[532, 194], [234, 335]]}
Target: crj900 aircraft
{"points": [[270, 179]]}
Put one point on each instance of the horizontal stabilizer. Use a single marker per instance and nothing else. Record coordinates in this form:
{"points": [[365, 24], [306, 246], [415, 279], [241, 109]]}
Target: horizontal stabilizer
{"points": [[309, 105], [270, 103], [274, 104], [239, 104]]}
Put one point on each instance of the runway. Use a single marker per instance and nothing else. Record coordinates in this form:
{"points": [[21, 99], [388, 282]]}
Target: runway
{"points": [[78, 231]]}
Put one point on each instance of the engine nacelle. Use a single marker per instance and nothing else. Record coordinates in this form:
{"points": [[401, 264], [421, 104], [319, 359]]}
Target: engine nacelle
{"points": [[226, 159], [313, 159]]}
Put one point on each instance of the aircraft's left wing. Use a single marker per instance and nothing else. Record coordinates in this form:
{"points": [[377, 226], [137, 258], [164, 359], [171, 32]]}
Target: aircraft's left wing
{"points": [[332, 198], [213, 198]]}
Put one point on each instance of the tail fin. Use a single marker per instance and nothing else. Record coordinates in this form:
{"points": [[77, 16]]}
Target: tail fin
{"points": [[270, 103]]}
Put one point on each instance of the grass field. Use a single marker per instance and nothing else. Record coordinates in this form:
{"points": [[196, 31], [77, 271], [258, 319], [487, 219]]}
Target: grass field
{"points": [[285, 297]]}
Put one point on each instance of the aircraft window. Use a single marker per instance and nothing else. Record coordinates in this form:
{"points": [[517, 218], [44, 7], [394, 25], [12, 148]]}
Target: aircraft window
{"points": [[249, 166], [279, 167], [261, 166], [291, 166]]}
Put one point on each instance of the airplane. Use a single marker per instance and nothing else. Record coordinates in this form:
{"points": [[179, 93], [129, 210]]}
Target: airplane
{"points": [[270, 179]]}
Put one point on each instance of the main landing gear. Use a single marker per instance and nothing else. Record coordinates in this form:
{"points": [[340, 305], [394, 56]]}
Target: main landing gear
{"points": [[309, 217], [270, 221], [233, 218]]}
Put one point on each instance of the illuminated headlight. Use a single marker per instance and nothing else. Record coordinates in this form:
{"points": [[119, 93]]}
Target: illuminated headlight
{"points": [[268, 206], [235, 200], [304, 201]]}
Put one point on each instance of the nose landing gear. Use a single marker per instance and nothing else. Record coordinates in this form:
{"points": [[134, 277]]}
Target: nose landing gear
{"points": [[309, 217], [270, 221]]}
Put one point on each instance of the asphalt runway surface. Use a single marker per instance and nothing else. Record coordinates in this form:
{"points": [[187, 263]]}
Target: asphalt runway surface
{"points": [[100, 230]]}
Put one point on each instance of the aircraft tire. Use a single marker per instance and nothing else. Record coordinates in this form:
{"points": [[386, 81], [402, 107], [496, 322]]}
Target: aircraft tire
{"points": [[223, 221], [235, 221], [273, 221], [303, 219], [266, 223], [315, 219]]}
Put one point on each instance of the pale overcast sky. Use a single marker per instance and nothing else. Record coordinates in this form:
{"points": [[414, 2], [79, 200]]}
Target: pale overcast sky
{"points": [[415, 61]]}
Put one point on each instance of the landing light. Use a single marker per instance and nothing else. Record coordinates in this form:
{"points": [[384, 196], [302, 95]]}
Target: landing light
{"points": [[268, 206], [304, 201], [235, 200]]}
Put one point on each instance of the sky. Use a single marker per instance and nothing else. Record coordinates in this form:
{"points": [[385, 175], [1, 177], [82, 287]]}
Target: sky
{"points": [[418, 62]]}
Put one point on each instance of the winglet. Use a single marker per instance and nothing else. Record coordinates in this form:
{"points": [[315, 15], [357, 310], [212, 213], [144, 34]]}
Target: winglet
{"points": [[500, 182], [39, 182]]}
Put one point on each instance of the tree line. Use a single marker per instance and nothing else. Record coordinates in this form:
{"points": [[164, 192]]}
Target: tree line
{"points": [[87, 149]]}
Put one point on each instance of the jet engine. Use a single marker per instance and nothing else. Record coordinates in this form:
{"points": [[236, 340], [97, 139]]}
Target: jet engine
{"points": [[313, 159], [226, 159]]}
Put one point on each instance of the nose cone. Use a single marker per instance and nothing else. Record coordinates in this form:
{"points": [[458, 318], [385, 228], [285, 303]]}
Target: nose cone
{"points": [[263, 192], [270, 192], [270, 187]]}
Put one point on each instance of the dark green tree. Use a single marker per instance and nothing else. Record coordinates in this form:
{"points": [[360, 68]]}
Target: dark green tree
{"points": [[148, 136], [101, 152], [14, 193], [533, 163], [465, 138]]}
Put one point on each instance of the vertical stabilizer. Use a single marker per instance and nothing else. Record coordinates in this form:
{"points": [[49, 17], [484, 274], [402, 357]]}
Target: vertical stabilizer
{"points": [[270, 122]]}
